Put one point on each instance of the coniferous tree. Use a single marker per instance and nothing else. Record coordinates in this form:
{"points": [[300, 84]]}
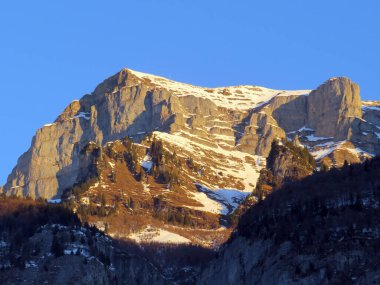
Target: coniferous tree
{"points": [[57, 247], [102, 205]]}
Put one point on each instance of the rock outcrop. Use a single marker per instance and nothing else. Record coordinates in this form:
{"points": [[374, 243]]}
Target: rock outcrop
{"points": [[332, 107], [286, 162]]}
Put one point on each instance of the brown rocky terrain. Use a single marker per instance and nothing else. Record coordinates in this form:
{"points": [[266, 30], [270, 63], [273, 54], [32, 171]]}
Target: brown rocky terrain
{"points": [[118, 196]]}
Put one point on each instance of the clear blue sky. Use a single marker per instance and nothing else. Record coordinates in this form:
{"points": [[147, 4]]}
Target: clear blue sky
{"points": [[52, 52]]}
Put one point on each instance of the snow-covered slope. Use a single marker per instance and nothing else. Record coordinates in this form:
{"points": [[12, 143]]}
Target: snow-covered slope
{"points": [[242, 97], [234, 165], [233, 173], [322, 150], [151, 234], [326, 148]]}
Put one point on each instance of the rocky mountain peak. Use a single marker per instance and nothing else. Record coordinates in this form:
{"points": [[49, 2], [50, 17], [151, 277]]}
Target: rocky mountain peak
{"points": [[228, 131], [332, 107]]}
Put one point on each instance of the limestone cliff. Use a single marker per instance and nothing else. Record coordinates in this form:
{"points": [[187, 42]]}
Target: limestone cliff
{"points": [[332, 107]]}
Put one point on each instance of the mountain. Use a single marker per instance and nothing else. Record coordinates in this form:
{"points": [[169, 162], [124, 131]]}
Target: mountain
{"points": [[153, 181], [319, 230], [239, 122], [151, 159]]}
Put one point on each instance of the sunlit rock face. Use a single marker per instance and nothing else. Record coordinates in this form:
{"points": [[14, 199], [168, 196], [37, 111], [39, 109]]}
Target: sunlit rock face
{"points": [[333, 106]]}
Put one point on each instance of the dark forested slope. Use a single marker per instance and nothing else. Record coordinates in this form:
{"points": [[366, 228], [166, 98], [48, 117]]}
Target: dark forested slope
{"points": [[323, 229]]}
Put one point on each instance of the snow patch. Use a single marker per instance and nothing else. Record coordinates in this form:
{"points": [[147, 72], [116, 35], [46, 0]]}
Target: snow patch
{"points": [[30, 264], [371, 108], [150, 234], [76, 249], [94, 186], [318, 154], [209, 205], [229, 199], [147, 163], [83, 115], [55, 201], [312, 138], [304, 128], [325, 144]]}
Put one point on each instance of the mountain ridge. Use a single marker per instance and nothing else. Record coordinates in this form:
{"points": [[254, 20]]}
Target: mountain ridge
{"points": [[135, 104]]}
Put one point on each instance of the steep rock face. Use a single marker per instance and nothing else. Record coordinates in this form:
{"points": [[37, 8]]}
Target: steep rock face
{"points": [[283, 113], [52, 156], [332, 107], [289, 111], [259, 134], [52, 162]]}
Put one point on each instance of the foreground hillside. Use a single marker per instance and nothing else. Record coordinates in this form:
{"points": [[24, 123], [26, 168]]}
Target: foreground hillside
{"points": [[46, 244], [320, 230]]}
